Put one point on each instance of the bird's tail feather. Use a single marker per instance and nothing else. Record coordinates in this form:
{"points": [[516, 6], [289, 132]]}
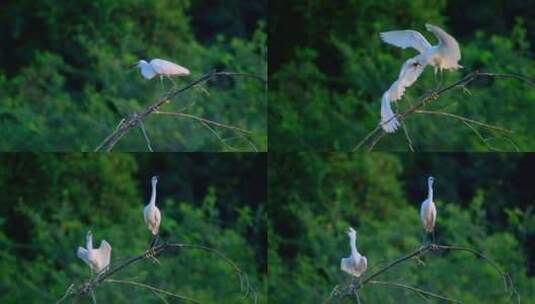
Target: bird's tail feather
{"points": [[389, 122]]}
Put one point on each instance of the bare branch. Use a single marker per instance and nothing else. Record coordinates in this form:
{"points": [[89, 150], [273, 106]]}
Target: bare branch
{"points": [[157, 291], [133, 121], [374, 136], [203, 120], [350, 289], [414, 289], [87, 288]]}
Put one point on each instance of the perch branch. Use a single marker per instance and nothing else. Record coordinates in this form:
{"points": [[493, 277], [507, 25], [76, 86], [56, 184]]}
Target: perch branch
{"points": [[349, 290], [133, 121], [374, 136], [87, 288]]}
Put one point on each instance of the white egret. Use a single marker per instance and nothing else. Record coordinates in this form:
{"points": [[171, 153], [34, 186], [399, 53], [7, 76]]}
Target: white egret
{"points": [[355, 264], [151, 213], [443, 56], [160, 67], [428, 211], [96, 259]]}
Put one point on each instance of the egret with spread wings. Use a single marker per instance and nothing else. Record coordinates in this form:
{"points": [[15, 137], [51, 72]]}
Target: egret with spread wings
{"points": [[443, 56]]}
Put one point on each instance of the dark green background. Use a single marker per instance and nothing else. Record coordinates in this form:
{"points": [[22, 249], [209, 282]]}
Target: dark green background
{"points": [[51, 200], [484, 201], [65, 81], [328, 70]]}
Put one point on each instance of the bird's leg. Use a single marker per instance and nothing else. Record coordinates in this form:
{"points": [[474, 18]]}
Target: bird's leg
{"points": [[151, 254], [424, 238], [174, 83], [433, 236], [155, 240], [161, 82]]}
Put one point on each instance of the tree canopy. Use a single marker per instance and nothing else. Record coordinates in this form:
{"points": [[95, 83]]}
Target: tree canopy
{"points": [[330, 69], [315, 197], [52, 200], [66, 81]]}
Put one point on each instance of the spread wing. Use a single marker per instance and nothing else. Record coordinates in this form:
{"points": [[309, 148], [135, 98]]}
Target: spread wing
{"points": [[447, 42], [164, 67], [82, 254], [405, 39], [104, 255], [410, 71]]}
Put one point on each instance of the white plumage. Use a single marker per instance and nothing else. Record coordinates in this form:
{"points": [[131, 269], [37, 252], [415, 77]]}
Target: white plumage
{"points": [[160, 67], [445, 55], [151, 213], [355, 264], [96, 259], [428, 210]]}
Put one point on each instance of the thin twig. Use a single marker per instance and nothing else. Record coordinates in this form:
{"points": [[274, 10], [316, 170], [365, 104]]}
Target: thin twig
{"points": [[203, 120], [158, 291], [462, 118], [87, 288], [414, 289], [350, 289], [145, 135], [111, 140], [409, 141], [378, 133]]}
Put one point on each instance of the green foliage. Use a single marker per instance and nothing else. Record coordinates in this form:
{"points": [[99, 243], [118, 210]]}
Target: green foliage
{"points": [[327, 75], [312, 205], [51, 200], [68, 86]]}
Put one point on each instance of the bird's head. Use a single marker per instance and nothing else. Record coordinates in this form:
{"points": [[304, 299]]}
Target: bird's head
{"points": [[430, 180], [352, 233], [154, 179], [139, 64]]}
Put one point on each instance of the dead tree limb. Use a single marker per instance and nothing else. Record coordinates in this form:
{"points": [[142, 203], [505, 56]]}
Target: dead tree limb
{"points": [[351, 289], [87, 288], [126, 124], [373, 137]]}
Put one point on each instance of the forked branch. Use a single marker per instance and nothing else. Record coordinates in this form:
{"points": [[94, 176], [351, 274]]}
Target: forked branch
{"points": [[352, 289], [373, 137], [126, 124], [87, 289]]}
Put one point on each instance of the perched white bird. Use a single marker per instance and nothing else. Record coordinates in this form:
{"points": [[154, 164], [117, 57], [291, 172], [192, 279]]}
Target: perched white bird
{"points": [[96, 259], [151, 213], [355, 264], [160, 67], [443, 56], [428, 211]]}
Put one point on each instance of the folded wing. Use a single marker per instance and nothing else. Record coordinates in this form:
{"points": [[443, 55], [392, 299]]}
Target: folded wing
{"points": [[164, 67], [405, 39]]}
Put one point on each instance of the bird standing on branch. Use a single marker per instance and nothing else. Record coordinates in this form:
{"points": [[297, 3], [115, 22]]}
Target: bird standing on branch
{"points": [[443, 56], [355, 264], [428, 211], [152, 215], [96, 259], [160, 67]]}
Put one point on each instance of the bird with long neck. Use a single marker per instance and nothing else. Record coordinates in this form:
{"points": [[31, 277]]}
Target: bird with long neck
{"points": [[97, 259], [152, 214], [355, 264], [428, 210]]}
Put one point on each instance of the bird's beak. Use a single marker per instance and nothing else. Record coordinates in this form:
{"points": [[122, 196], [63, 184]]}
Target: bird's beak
{"points": [[133, 66]]}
